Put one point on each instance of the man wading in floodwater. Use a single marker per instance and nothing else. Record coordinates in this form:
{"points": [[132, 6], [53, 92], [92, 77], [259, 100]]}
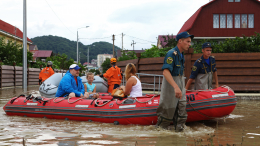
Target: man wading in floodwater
{"points": [[203, 70], [172, 106]]}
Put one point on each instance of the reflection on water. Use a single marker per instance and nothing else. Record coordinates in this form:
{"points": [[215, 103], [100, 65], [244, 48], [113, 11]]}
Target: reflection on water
{"points": [[242, 126]]}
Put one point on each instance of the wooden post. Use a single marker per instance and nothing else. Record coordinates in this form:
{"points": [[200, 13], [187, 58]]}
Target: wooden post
{"points": [[138, 55], [188, 64], [14, 73]]}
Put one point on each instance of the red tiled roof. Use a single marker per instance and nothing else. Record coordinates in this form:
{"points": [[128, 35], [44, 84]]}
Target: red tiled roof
{"points": [[189, 23], [42, 53], [8, 28], [162, 40]]}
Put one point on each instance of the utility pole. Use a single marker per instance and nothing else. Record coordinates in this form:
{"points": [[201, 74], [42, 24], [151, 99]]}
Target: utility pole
{"points": [[122, 41], [113, 38], [24, 45], [133, 45]]}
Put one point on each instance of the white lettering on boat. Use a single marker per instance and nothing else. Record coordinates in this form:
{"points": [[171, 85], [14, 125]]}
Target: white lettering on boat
{"points": [[155, 101], [127, 106], [32, 103], [86, 106], [219, 95]]}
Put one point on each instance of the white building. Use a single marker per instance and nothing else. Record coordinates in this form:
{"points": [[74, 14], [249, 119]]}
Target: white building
{"points": [[102, 57]]}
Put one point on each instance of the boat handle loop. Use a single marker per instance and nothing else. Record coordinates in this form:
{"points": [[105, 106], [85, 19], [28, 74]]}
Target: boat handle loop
{"points": [[101, 104], [147, 100], [111, 105]]}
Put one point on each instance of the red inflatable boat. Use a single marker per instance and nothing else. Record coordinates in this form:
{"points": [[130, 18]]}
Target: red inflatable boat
{"points": [[201, 105]]}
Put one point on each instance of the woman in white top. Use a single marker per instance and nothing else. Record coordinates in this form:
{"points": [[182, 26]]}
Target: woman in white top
{"points": [[133, 86]]}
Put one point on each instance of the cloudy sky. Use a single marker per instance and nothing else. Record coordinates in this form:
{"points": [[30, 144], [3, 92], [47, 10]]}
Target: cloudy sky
{"points": [[140, 20]]}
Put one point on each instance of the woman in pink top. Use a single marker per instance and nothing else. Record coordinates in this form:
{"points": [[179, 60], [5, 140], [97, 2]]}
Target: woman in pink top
{"points": [[133, 87]]}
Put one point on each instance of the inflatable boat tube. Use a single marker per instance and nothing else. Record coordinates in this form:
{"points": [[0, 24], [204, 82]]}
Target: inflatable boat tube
{"points": [[201, 105]]}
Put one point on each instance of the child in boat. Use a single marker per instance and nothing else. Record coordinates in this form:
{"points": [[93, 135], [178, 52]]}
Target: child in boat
{"points": [[90, 87], [133, 86]]}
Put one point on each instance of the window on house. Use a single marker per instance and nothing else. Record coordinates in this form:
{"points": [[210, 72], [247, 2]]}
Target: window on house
{"points": [[237, 0], [215, 21], [222, 20], [244, 21], [230, 0], [237, 20], [250, 20], [229, 21]]}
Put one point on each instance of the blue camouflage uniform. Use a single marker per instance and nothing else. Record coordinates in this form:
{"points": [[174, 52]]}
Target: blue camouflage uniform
{"points": [[202, 71], [174, 62], [201, 67]]}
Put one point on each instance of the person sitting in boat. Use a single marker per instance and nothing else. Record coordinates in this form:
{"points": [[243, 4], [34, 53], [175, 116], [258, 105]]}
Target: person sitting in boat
{"points": [[71, 84], [133, 86], [90, 87], [113, 76], [46, 72]]}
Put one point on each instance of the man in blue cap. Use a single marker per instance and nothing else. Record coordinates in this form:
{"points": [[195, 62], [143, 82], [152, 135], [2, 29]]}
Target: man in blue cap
{"points": [[71, 84], [203, 70], [172, 106]]}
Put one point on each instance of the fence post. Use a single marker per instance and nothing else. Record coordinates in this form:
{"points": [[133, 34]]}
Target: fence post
{"points": [[188, 65], [14, 74], [138, 55]]}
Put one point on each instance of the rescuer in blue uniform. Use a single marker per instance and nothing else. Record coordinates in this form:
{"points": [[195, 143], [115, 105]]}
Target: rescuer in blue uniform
{"points": [[203, 70], [172, 106]]}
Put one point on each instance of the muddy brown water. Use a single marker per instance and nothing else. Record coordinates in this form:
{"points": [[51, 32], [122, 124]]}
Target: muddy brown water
{"points": [[242, 127]]}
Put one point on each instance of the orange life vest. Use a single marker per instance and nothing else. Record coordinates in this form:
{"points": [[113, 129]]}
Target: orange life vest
{"points": [[113, 76], [46, 73]]}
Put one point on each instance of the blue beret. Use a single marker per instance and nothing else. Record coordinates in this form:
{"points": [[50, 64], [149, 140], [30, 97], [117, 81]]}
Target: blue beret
{"points": [[206, 45], [184, 34]]}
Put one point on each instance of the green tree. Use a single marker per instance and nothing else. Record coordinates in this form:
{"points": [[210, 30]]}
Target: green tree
{"points": [[127, 55], [106, 65], [155, 52], [96, 72], [11, 52], [62, 45]]}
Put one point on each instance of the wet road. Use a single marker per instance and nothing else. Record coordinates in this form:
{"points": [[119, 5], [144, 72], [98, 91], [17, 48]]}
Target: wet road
{"points": [[241, 128]]}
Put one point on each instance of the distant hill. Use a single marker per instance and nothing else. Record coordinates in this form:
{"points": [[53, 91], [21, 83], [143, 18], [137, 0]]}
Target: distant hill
{"points": [[62, 45]]}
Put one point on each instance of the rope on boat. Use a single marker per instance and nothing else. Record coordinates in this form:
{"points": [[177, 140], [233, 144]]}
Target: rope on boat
{"points": [[57, 101], [147, 100], [210, 90], [123, 101], [224, 86], [75, 100], [204, 114], [101, 104]]}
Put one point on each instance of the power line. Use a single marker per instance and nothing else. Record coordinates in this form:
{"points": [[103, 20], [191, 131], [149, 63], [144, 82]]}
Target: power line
{"points": [[58, 17], [142, 43], [96, 38], [140, 39]]}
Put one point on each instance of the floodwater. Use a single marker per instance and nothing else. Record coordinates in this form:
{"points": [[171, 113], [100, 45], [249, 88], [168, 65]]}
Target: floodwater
{"points": [[242, 127]]}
